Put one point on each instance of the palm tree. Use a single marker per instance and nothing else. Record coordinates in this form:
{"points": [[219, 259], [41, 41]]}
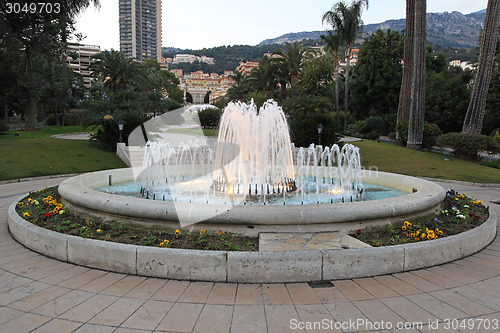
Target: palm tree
{"points": [[404, 96], [118, 72], [264, 77], [293, 58], [473, 121], [333, 45], [346, 21], [417, 99]]}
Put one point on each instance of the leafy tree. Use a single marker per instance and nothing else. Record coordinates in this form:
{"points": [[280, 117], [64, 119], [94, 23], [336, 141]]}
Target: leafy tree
{"points": [[346, 21], [447, 97], [376, 79], [305, 114], [316, 77], [473, 122]]}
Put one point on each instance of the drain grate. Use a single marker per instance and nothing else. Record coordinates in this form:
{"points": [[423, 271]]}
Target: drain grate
{"points": [[320, 284]]}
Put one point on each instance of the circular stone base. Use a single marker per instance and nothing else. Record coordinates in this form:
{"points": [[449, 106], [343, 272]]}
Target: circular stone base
{"points": [[423, 199], [249, 267]]}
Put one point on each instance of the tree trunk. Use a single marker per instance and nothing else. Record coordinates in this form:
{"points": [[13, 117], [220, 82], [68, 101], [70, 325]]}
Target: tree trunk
{"points": [[52, 82], [29, 107], [283, 90], [404, 96], [417, 110], [473, 121], [337, 97], [293, 82], [346, 99]]}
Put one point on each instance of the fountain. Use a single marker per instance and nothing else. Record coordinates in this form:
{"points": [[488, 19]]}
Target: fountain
{"points": [[251, 180], [254, 163]]}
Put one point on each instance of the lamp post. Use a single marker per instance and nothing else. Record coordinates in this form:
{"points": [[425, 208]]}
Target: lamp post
{"points": [[120, 127], [320, 128]]}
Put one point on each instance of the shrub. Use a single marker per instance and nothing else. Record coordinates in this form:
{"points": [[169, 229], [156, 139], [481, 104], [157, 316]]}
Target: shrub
{"points": [[374, 124], [304, 129], [355, 129], [392, 135], [372, 136], [494, 132], [467, 144], [209, 117], [3, 126], [497, 137], [431, 133]]}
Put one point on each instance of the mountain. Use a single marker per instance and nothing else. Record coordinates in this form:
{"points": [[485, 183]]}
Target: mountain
{"points": [[445, 29]]}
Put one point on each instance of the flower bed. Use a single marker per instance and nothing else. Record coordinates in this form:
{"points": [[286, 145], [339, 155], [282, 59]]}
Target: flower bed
{"points": [[459, 213], [43, 209]]}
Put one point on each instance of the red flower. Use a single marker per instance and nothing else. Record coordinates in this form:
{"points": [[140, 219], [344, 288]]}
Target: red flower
{"points": [[47, 214], [358, 232]]}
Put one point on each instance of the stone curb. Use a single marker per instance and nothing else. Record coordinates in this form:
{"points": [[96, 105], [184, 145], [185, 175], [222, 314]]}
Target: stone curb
{"points": [[249, 267]]}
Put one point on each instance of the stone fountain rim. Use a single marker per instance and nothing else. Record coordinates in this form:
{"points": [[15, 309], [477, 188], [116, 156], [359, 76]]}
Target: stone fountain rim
{"points": [[78, 191]]}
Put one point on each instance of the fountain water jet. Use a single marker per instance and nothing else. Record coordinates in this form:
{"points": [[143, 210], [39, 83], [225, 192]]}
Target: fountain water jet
{"points": [[254, 161]]}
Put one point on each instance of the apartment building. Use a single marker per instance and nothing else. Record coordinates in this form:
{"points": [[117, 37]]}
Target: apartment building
{"points": [[140, 29], [79, 60]]}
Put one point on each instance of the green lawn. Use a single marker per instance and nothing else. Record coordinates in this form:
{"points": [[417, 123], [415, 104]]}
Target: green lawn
{"points": [[35, 153], [391, 158], [195, 131]]}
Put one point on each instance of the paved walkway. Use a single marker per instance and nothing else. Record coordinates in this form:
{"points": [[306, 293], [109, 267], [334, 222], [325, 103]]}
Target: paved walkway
{"points": [[45, 295]]}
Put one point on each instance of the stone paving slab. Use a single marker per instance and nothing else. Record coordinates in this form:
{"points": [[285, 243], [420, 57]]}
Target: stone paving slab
{"points": [[308, 241], [57, 301]]}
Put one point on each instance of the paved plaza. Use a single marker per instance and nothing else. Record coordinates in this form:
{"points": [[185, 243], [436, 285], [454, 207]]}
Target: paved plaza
{"points": [[38, 294]]}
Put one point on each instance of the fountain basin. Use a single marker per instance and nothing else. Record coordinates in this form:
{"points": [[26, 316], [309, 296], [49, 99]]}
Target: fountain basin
{"points": [[249, 267], [423, 199]]}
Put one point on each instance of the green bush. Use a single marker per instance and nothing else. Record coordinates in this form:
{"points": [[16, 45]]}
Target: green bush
{"points": [[374, 124], [209, 117], [372, 136], [431, 133], [304, 129], [3, 126], [467, 144], [497, 137], [355, 129], [494, 132], [494, 164]]}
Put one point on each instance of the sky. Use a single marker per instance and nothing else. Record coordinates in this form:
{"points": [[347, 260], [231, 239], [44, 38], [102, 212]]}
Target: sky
{"points": [[197, 24]]}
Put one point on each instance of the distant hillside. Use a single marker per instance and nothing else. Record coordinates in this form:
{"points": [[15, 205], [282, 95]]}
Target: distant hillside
{"points": [[445, 29]]}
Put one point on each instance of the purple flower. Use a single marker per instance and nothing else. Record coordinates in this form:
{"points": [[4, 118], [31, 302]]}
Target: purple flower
{"points": [[428, 223], [436, 220]]}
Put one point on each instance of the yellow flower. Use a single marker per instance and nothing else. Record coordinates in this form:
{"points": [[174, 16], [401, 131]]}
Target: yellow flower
{"points": [[61, 212], [403, 227], [424, 235], [30, 200], [36, 202], [55, 211], [440, 232], [19, 203], [98, 231], [220, 232], [202, 231], [26, 214], [177, 232], [107, 117]]}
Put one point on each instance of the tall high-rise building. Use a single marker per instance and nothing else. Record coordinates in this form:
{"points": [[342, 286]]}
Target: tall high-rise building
{"points": [[140, 29]]}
